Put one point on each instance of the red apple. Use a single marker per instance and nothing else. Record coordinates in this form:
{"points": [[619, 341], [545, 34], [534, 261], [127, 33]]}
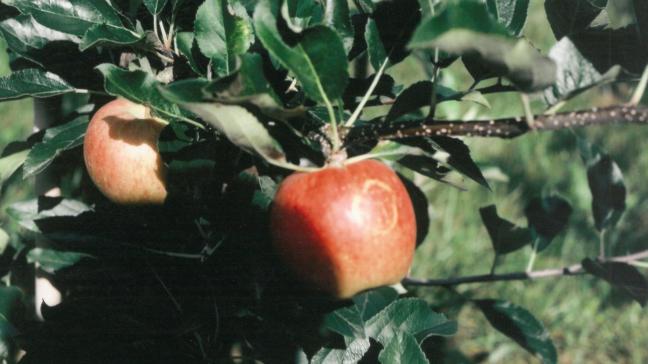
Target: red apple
{"points": [[345, 229], [121, 155]]}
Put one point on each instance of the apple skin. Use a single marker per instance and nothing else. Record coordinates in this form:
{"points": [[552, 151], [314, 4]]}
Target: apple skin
{"points": [[121, 155], [345, 229]]}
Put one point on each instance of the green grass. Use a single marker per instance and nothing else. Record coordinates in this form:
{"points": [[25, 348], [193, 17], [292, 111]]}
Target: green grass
{"points": [[588, 321]]}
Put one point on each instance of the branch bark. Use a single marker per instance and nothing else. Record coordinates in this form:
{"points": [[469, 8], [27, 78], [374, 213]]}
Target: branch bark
{"points": [[500, 128], [571, 270]]}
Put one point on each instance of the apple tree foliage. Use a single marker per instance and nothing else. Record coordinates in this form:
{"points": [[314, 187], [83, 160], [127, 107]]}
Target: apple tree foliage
{"points": [[251, 90]]}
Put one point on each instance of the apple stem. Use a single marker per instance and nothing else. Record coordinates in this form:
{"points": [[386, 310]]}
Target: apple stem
{"points": [[365, 98], [533, 256], [641, 88], [554, 109], [91, 92], [335, 136], [155, 30], [527, 110]]}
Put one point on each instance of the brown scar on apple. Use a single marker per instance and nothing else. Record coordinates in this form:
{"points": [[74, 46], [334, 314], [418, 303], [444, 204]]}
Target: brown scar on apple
{"points": [[389, 214]]}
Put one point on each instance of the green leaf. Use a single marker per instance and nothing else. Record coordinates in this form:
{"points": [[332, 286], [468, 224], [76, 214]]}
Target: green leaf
{"points": [[459, 158], [589, 27], [414, 97], [621, 13], [139, 87], [620, 275], [26, 212], [403, 349], [189, 161], [424, 165], [373, 301], [188, 90], [247, 85], [379, 315], [350, 321], [458, 155], [9, 164], [104, 35], [23, 34], [352, 354], [606, 185], [56, 141], [301, 14], [155, 6], [409, 315], [394, 21], [222, 34], [317, 60], [4, 240], [34, 83], [336, 16], [466, 28], [468, 15], [346, 321], [251, 78], [367, 6], [375, 48], [189, 49], [264, 196], [547, 217], [11, 311], [575, 74], [511, 13], [69, 16], [519, 324], [568, 17], [52, 261], [239, 125], [505, 236]]}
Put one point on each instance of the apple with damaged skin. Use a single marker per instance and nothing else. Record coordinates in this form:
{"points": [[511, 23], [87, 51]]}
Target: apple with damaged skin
{"points": [[346, 228], [121, 155]]}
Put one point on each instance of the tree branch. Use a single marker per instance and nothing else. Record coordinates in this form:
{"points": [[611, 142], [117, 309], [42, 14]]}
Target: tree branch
{"points": [[501, 128], [575, 269]]}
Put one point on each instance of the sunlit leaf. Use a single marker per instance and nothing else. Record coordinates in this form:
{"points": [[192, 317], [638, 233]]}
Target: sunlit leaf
{"points": [[56, 141], [9, 164], [511, 13], [403, 349], [337, 16], [34, 83], [52, 261], [410, 315], [25, 212], [69, 16], [318, 59], [223, 32], [103, 35], [137, 86], [23, 33]]}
